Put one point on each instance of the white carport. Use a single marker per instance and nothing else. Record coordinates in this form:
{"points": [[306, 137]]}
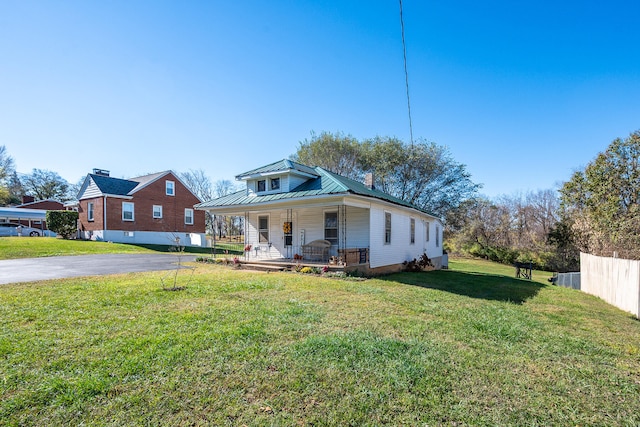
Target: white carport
{"points": [[34, 218]]}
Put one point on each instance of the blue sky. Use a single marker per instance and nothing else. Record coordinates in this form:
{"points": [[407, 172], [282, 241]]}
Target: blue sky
{"points": [[523, 93]]}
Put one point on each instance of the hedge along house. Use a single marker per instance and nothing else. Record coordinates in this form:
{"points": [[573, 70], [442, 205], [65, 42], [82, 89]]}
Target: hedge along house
{"points": [[150, 209], [291, 210]]}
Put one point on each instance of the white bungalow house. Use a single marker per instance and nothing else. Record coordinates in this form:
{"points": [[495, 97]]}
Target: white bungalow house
{"points": [[293, 211]]}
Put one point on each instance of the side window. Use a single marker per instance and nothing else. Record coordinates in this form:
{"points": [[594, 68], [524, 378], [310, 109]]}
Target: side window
{"points": [[412, 231], [170, 187], [157, 211], [127, 211], [262, 185], [427, 227], [387, 228], [263, 229], [437, 236], [90, 211], [188, 216]]}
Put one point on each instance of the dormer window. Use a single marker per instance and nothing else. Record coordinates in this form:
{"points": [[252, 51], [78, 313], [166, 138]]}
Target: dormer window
{"points": [[262, 185], [275, 183]]}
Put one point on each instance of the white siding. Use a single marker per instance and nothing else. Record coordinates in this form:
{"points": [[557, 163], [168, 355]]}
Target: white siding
{"points": [[91, 191], [400, 249], [357, 227]]}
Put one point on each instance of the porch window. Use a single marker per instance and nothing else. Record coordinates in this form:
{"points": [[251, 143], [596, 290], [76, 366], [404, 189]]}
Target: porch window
{"points": [[127, 211], [387, 228], [413, 231], [262, 185], [275, 183], [188, 216], [90, 211], [263, 229], [331, 227]]}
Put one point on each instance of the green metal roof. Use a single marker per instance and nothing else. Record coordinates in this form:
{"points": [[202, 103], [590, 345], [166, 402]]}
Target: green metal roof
{"points": [[279, 166], [326, 184]]}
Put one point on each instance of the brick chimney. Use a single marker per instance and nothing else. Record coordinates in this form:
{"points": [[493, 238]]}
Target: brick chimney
{"points": [[100, 172], [28, 199], [368, 181]]}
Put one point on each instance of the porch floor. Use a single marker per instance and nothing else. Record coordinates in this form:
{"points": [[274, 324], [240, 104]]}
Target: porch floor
{"points": [[287, 264]]}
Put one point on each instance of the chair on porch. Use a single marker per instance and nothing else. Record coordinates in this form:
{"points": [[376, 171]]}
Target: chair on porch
{"points": [[262, 250], [318, 250]]}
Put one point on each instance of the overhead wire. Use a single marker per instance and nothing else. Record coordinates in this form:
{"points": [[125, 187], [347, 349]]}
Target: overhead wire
{"points": [[406, 74]]}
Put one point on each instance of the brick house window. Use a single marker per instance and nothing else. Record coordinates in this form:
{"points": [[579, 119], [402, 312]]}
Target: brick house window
{"points": [[188, 216], [170, 188], [387, 228], [157, 211], [263, 229], [128, 211], [262, 185], [90, 211]]}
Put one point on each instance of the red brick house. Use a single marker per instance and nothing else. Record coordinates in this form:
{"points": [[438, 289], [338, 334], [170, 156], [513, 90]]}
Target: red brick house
{"points": [[152, 209], [28, 202]]}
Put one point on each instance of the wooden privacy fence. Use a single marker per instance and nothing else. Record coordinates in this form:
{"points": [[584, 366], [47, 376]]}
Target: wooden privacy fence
{"points": [[615, 280]]}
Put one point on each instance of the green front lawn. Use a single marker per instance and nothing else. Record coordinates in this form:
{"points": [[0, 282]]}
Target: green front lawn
{"points": [[33, 247], [468, 346]]}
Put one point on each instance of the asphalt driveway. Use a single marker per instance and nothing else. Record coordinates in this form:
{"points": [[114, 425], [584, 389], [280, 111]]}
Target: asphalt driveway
{"points": [[33, 269]]}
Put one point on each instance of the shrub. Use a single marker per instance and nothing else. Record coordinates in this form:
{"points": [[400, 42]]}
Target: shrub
{"points": [[416, 265], [64, 223]]}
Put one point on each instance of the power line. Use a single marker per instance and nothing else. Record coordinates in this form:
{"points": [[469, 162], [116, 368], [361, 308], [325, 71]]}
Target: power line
{"points": [[406, 74]]}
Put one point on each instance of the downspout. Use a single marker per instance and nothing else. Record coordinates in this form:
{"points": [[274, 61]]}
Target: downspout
{"points": [[104, 216]]}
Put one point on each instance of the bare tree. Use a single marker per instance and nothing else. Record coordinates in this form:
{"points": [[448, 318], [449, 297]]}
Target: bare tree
{"points": [[43, 184], [199, 183]]}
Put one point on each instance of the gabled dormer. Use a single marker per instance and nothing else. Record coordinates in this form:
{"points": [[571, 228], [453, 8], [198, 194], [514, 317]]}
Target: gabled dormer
{"points": [[278, 177]]}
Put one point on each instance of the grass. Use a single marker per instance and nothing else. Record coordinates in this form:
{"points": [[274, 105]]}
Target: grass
{"points": [[33, 247], [23, 247], [469, 346]]}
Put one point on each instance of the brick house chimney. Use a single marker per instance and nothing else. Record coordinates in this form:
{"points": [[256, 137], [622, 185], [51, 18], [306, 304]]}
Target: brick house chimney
{"points": [[368, 181], [27, 199]]}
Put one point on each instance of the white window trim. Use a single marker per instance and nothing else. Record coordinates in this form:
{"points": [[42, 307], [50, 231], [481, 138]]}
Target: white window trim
{"points": [[324, 228], [90, 211], [191, 216], [384, 222], [153, 212], [173, 188], [268, 231], [133, 211], [412, 231], [271, 184]]}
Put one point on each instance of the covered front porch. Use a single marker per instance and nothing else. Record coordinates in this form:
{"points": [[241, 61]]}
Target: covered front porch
{"points": [[335, 236]]}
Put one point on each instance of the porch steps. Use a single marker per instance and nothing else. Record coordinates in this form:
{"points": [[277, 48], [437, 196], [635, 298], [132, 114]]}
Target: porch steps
{"points": [[264, 267]]}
